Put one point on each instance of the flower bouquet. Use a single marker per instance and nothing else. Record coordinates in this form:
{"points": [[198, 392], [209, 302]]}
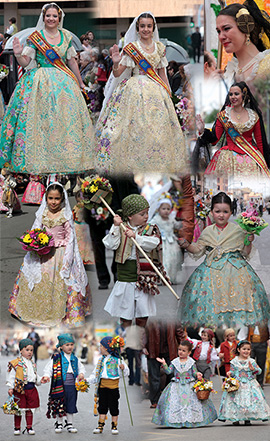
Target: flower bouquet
{"points": [[10, 407], [37, 240], [82, 385], [182, 112], [230, 384], [90, 185], [203, 388], [4, 71], [251, 223], [202, 214]]}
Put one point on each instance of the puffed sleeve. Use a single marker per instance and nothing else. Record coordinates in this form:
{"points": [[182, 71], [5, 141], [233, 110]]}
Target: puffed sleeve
{"points": [[127, 61], [67, 233], [48, 370], [71, 52], [112, 240], [162, 53], [10, 378], [148, 243], [258, 136]]}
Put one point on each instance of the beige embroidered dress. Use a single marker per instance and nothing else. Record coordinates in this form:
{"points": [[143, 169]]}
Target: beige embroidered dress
{"points": [[138, 131]]}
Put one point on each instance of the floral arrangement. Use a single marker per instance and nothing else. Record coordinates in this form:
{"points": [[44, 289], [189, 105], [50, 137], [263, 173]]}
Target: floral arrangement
{"points": [[252, 223], [10, 407], [90, 185], [37, 240], [203, 385], [230, 384], [182, 112], [202, 214], [117, 343], [82, 385], [4, 71]]}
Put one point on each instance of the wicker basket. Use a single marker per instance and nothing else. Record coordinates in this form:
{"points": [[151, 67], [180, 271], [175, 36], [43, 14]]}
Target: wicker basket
{"points": [[203, 394], [11, 412], [232, 389]]}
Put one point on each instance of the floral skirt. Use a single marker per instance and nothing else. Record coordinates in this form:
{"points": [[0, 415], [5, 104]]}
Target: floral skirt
{"points": [[33, 193]]}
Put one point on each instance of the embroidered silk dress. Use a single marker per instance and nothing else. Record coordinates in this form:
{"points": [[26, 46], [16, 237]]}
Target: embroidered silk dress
{"points": [[34, 191], [231, 160], [47, 128], [51, 300], [248, 402], [224, 288], [138, 130], [178, 405], [260, 68]]}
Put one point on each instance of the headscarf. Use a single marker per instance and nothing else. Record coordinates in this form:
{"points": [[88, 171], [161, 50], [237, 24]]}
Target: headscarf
{"points": [[133, 204], [25, 342], [41, 25], [105, 342], [64, 338]]}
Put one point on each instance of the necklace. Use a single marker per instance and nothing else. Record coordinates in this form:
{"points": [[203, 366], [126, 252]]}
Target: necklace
{"points": [[238, 114], [52, 36], [147, 47], [247, 66]]}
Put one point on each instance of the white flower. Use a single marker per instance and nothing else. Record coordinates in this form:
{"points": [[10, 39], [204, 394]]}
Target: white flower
{"points": [[99, 210]]}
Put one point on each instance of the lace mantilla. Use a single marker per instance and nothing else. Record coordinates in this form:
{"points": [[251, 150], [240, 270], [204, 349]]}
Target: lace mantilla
{"points": [[242, 127]]}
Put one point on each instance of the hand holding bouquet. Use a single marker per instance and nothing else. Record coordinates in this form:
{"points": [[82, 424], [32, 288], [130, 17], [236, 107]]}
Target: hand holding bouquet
{"points": [[251, 223], [82, 385]]}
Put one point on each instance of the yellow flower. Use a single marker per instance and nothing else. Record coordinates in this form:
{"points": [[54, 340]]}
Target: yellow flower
{"points": [[93, 188], [27, 238], [44, 240]]}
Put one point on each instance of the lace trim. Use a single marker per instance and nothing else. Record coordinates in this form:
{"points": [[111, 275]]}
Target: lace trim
{"points": [[242, 365], [183, 367], [50, 223], [232, 66], [252, 119]]}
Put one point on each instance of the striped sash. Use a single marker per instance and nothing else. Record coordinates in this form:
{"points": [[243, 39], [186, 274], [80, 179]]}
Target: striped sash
{"points": [[131, 50], [47, 50]]}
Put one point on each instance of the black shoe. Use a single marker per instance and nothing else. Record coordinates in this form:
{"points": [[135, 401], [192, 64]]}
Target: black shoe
{"points": [[236, 423], [247, 423], [103, 286]]}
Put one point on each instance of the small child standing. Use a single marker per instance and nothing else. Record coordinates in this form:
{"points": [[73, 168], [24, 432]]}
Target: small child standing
{"points": [[205, 353], [178, 405], [21, 380], [248, 402], [133, 293], [228, 348], [63, 369], [106, 376], [167, 224]]}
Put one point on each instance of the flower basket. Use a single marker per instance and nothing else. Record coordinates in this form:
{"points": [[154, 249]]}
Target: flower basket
{"points": [[203, 394], [230, 385], [10, 407]]}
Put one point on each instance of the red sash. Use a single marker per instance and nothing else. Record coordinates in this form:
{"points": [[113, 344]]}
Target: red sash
{"points": [[242, 143], [131, 50], [47, 50]]}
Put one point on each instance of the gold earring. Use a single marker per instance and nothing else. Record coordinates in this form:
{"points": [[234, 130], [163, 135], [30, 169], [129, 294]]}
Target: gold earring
{"points": [[247, 39]]}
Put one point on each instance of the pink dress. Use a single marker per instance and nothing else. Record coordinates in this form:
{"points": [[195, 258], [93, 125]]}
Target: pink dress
{"points": [[2, 206], [34, 191], [51, 301]]}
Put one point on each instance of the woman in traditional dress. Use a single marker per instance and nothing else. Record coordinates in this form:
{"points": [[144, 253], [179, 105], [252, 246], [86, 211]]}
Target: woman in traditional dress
{"points": [[47, 128], [244, 31], [138, 129], [246, 153]]}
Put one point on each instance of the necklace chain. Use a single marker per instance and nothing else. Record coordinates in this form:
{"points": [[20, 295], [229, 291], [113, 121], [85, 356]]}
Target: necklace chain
{"points": [[147, 47], [52, 36]]}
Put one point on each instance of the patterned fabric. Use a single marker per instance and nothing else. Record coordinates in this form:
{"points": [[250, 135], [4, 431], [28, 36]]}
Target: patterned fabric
{"points": [[224, 287], [178, 405], [21, 372], [47, 128], [133, 204], [138, 131], [64, 338], [56, 396], [25, 342], [34, 191], [65, 364], [248, 402], [198, 350], [99, 369]]}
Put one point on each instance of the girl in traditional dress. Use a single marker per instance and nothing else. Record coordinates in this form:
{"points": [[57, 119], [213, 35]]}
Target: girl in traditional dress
{"points": [[82, 231], [54, 287], [248, 402], [47, 128], [34, 191], [178, 405], [224, 288], [138, 129], [241, 120], [167, 224]]}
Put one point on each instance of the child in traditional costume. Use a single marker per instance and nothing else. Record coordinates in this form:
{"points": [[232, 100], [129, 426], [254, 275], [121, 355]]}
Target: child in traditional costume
{"points": [[34, 191], [106, 377], [56, 280], [22, 378], [10, 199], [224, 288], [228, 348], [248, 402], [205, 353], [63, 369], [82, 231], [178, 405], [133, 293], [167, 224]]}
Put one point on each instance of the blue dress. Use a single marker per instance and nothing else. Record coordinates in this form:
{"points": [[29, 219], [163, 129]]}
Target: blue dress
{"points": [[248, 402], [224, 288], [47, 128], [178, 405]]}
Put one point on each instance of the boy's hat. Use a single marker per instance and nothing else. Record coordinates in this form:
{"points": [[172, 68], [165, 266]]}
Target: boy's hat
{"points": [[25, 342], [133, 204], [64, 338]]}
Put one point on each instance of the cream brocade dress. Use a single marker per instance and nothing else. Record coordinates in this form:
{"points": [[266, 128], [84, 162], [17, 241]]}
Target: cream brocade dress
{"points": [[138, 131], [51, 300]]}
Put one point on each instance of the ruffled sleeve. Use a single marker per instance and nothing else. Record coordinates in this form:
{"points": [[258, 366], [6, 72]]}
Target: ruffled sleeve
{"points": [[162, 53], [29, 50], [127, 61]]}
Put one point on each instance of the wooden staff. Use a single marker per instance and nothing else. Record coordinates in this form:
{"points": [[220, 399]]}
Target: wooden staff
{"points": [[220, 47], [100, 195]]}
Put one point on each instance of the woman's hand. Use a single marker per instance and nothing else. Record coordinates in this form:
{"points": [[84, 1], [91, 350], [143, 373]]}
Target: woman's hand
{"points": [[116, 57], [129, 233], [117, 220], [161, 360], [17, 47], [199, 124]]}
